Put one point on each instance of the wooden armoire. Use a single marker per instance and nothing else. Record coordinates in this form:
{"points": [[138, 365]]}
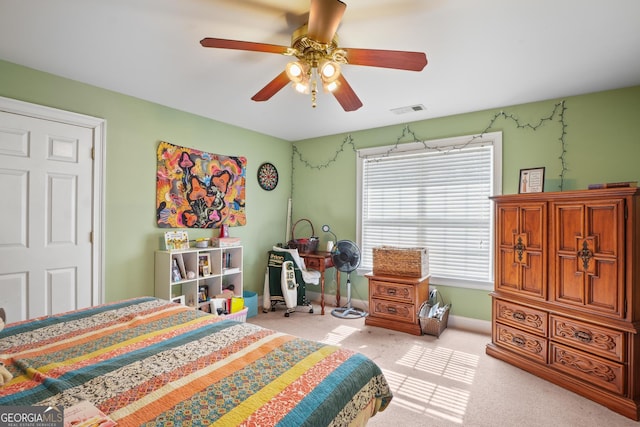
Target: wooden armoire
{"points": [[566, 301]]}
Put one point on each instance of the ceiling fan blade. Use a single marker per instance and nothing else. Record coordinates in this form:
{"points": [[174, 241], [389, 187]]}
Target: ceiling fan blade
{"points": [[240, 45], [401, 60], [346, 96], [272, 87], [324, 19]]}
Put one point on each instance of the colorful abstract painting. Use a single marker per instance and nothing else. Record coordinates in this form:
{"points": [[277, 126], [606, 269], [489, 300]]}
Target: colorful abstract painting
{"points": [[199, 190]]}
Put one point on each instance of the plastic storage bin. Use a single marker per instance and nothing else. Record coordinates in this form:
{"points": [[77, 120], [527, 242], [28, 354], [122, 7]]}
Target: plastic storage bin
{"points": [[251, 302]]}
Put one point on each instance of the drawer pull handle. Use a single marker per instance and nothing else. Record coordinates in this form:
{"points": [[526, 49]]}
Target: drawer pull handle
{"points": [[582, 336], [391, 291], [519, 341], [392, 310], [519, 316]]}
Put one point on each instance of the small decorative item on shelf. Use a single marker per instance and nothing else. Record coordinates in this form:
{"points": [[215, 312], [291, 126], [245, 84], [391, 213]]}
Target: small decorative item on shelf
{"points": [[204, 264], [226, 242], [202, 243], [175, 271], [203, 293], [175, 240]]}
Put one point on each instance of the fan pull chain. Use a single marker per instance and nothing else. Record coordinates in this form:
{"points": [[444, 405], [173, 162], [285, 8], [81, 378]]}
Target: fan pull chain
{"points": [[314, 93]]}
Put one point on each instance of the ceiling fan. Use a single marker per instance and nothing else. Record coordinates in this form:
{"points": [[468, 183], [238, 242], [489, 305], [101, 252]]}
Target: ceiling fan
{"points": [[319, 59]]}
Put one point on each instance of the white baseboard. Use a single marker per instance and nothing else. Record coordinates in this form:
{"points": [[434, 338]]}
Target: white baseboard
{"points": [[469, 324], [457, 322]]}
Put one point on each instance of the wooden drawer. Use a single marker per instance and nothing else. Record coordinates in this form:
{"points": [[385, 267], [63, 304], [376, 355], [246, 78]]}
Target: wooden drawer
{"points": [[393, 310], [523, 343], [313, 263], [595, 370], [593, 339], [525, 318], [395, 291]]}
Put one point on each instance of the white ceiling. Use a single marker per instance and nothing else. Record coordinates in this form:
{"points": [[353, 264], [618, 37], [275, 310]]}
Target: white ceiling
{"points": [[482, 54]]}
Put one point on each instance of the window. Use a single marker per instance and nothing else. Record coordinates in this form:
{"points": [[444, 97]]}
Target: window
{"points": [[433, 194]]}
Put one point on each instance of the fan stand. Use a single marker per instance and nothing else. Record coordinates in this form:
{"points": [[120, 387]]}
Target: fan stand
{"points": [[348, 312]]}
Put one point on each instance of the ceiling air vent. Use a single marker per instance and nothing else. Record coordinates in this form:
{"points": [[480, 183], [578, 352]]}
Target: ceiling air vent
{"points": [[409, 109]]}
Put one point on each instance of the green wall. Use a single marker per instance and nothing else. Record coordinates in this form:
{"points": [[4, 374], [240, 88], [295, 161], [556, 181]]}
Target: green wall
{"points": [[601, 144], [600, 138], [134, 128]]}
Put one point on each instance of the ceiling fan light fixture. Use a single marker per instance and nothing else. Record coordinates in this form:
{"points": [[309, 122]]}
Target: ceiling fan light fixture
{"points": [[296, 71], [331, 86], [302, 87], [329, 71]]}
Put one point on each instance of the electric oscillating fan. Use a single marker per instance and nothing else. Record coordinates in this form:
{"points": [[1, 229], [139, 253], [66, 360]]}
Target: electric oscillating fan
{"points": [[346, 258]]}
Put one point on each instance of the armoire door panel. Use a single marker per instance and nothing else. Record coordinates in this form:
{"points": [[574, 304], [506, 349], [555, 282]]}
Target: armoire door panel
{"points": [[601, 291], [569, 281], [509, 270], [521, 231], [568, 226], [602, 223], [532, 220], [508, 220], [531, 283]]}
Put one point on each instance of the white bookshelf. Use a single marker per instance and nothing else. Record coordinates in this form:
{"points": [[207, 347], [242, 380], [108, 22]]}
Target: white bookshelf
{"points": [[224, 269]]}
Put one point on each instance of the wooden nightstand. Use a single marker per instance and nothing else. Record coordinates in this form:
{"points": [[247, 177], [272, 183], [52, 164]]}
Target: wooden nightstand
{"points": [[394, 302], [321, 261]]}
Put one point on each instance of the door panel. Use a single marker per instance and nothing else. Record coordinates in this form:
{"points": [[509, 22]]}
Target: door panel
{"points": [[600, 294], [588, 251], [522, 254], [602, 222], [569, 281], [46, 173]]}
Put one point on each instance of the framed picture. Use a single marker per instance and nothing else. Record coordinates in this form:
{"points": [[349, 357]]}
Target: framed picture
{"points": [[204, 264], [179, 300], [531, 180]]}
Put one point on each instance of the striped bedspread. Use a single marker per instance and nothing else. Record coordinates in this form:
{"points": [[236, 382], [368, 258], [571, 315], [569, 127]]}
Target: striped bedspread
{"points": [[146, 361]]}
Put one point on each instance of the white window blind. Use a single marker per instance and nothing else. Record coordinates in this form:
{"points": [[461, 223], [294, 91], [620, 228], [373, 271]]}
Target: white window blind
{"points": [[433, 195]]}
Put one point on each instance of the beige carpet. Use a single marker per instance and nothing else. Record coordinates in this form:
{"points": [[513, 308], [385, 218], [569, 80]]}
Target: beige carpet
{"points": [[447, 381]]}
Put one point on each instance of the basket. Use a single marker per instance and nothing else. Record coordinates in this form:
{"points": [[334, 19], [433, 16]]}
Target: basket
{"points": [[436, 324], [240, 316], [393, 261], [304, 245]]}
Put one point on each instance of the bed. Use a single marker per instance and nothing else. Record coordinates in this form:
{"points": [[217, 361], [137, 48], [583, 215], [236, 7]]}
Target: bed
{"points": [[147, 361]]}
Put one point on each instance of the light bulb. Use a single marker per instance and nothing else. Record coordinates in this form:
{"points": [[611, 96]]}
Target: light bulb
{"points": [[331, 86], [295, 70], [328, 70]]}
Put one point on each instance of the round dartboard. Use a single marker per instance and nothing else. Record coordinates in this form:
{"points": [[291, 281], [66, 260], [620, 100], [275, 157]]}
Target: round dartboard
{"points": [[267, 176]]}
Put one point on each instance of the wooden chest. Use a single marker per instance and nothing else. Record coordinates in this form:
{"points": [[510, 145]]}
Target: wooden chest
{"points": [[394, 302]]}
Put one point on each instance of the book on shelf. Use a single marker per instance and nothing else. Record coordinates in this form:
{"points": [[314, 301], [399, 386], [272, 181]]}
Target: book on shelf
{"points": [[225, 242], [176, 240], [622, 184], [231, 270]]}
